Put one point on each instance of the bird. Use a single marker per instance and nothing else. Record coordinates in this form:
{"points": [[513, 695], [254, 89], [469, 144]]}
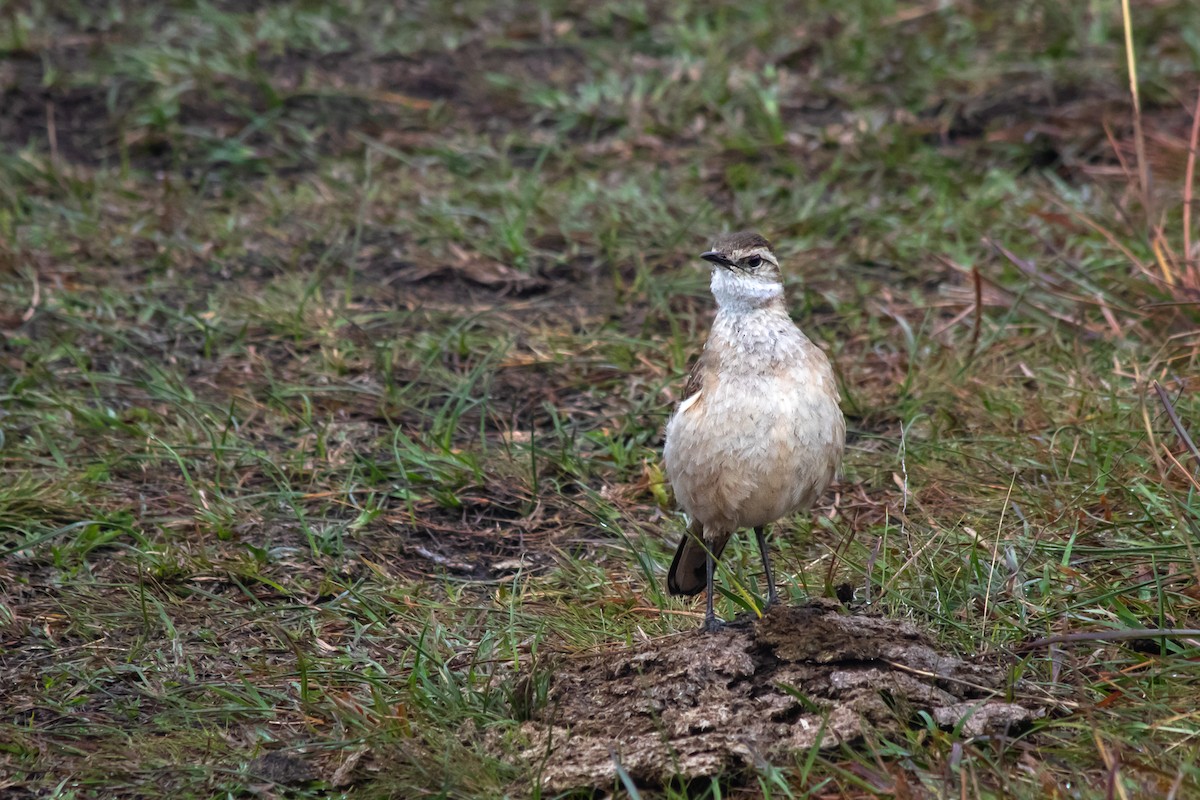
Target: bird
{"points": [[759, 433]]}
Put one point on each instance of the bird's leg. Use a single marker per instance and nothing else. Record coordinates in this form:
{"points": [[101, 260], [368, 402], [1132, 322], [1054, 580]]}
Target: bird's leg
{"points": [[710, 617], [760, 533]]}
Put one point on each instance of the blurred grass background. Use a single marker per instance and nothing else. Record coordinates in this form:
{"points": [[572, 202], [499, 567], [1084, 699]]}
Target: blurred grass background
{"points": [[336, 344]]}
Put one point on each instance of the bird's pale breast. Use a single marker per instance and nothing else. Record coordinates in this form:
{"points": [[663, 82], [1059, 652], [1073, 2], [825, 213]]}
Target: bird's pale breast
{"points": [[764, 436]]}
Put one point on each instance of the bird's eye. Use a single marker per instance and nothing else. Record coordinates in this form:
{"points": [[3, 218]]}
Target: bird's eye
{"points": [[754, 262]]}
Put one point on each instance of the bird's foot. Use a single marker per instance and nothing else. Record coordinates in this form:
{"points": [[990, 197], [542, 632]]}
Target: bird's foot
{"points": [[711, 625]]}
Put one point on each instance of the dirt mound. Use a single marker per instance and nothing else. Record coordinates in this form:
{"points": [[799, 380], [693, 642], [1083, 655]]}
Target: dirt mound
{"points": [[699, 704]]}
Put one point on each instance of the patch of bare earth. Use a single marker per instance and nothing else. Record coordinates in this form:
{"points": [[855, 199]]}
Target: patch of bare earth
{"points": [[701, 704], [318, 104]]}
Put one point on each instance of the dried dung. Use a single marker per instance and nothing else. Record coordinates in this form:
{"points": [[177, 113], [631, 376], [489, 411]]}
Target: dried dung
{"points": [[700, 704]]}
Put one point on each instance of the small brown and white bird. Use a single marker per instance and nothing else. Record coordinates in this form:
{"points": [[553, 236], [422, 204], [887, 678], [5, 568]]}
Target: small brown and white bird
{"points": [[759, 434]]}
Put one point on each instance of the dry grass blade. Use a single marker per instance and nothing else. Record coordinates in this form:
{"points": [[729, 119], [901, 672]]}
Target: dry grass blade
{"points": [[1139, 137], [1176, 422], [1191, 260]]}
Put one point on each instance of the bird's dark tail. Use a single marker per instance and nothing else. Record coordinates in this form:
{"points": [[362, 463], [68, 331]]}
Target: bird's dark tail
{"points": [[687, 575]]}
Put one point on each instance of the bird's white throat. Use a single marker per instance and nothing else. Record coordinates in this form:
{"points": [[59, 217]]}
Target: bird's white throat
{"points": [[739, 294]]}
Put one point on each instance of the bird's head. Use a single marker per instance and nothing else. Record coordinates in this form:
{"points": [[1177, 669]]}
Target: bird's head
{"points": [[745, 271]]}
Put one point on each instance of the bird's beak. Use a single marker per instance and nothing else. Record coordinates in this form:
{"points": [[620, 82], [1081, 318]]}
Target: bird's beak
{"points": [[717, 258]]}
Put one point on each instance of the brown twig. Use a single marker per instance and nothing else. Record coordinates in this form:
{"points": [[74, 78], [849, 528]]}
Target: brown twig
{"points": [[1108, 636], [977, 279], [1116, 148]]}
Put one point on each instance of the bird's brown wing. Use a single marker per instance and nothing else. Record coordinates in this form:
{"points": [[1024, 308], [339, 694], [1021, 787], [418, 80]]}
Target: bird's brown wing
{"points": [[706, 365]]}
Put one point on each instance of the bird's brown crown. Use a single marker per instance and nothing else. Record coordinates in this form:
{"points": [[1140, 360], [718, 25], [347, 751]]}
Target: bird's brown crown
{"points": [[740, 241]]}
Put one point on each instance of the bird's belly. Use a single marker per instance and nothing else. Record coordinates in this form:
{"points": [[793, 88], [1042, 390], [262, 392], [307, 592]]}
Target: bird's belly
{"points": [[744, 458]]}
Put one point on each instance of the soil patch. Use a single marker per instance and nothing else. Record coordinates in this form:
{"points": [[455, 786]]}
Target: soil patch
{"points": [[700, 704], [71, 122], [295, 108], [1085, 123]]}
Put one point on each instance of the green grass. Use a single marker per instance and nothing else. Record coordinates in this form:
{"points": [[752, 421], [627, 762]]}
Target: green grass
{"points": [[299, 460]]}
